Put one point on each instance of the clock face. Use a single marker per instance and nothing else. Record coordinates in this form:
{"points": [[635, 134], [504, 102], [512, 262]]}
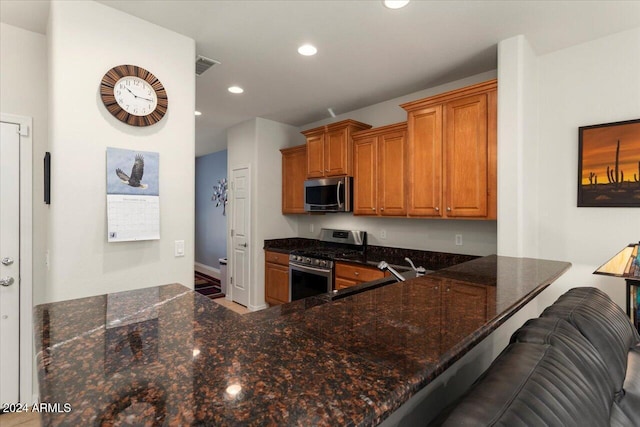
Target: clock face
{"points": [[134, 95]]}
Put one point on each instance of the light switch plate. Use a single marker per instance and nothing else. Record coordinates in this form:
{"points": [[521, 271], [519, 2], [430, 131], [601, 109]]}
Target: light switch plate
{"points": [[179, 248], [458, 239]]}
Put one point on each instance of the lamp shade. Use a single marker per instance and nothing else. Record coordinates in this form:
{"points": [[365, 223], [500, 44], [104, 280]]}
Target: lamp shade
{"points": [[624, 264]]}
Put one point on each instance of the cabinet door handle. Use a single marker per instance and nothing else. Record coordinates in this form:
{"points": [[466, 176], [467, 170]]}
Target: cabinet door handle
{"points": [[381, 209], [373, 209], [448, 209], [437, 209], [356, 273]]}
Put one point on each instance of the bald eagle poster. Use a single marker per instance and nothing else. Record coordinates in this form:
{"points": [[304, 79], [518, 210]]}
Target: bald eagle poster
{"points": [[133, 196]]}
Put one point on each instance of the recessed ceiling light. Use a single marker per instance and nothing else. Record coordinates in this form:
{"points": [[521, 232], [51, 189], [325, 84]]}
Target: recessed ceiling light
{"points": [[307, 50], [198, 113], [235, 89], [395, 4]]}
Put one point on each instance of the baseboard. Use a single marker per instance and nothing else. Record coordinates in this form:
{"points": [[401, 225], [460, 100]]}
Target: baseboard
{"points": [[206, 269], [257, 307]]}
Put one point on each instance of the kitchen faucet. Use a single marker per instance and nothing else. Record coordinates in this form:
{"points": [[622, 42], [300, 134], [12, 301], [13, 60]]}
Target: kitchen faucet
{"points": [[382, 265], [420, 271]]}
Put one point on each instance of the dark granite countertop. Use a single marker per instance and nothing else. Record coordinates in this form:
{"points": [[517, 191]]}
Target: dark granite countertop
{"points": [[169, 356], [374, 254]]}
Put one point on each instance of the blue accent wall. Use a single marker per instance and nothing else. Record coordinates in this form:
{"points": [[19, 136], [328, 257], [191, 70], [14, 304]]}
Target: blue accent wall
{"points": [[211, 225]]}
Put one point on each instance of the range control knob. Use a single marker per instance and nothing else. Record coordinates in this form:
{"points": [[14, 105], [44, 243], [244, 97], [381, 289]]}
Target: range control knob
{"points": [[316, 262], [308, 260]]}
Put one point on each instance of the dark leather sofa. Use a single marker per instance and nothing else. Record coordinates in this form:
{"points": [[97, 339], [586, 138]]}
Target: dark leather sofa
{"points": [[578, 364]]}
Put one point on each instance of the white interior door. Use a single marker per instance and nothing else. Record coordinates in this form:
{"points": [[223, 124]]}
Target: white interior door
{"points": [[9, 263], [240, 239]]}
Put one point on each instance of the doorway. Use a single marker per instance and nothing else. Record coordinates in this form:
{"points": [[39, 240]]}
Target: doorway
{"points": [[16, 305], [239, 279]]}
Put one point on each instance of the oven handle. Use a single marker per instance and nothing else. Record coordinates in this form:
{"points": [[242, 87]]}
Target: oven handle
{"points": [[323, 271], [338, 193]]}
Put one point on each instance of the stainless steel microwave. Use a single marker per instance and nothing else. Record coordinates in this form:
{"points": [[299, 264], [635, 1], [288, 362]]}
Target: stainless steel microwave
{"points": [[328, 194]]}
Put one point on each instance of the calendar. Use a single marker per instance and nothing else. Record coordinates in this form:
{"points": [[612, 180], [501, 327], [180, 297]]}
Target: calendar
{"points": [[133, 197], [133, 217]]}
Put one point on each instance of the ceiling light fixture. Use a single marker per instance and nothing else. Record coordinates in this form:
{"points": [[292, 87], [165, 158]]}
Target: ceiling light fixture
{"points": [[307, 50], [395, 4], [235, 89], [198, 113]]}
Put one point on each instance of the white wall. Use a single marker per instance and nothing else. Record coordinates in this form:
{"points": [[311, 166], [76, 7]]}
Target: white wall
{"points": [[591, 83], [479, 237], [23, 86], [82, 263], [256, 143], [517, 148]]}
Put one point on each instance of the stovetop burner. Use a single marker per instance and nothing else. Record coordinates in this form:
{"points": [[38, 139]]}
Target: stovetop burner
{"points": [[327, 252], [334, 244]]}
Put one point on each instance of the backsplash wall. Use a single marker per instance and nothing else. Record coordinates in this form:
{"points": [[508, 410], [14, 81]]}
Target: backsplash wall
{"points": [[478, 237]]}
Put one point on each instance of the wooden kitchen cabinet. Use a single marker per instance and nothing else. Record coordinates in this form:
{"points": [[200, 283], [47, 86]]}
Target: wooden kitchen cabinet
{"points": [[294, 164], [276, 278], [347, 275], [379, 171], [451, 154], [330, 149]]}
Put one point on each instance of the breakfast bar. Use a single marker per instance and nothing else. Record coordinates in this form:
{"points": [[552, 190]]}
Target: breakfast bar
{"points": [[169, 356]]}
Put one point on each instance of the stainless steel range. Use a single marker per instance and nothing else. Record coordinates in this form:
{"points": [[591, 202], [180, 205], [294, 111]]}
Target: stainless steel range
{"points": [[311, 269]]}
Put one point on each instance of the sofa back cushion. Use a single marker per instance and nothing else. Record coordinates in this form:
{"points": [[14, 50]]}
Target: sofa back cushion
{"points": [[562, 335], [602, 322], [531, 385]]}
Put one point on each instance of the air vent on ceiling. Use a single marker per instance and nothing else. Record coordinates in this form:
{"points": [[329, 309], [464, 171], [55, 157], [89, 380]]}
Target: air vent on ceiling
{"points": [[204, 63]]}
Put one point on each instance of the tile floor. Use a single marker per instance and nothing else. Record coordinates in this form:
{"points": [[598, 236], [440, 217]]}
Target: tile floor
{"points": [[240, 309], [21, 419]]}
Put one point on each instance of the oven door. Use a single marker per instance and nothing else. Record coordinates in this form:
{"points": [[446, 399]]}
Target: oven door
{"points": [[306, 281]]}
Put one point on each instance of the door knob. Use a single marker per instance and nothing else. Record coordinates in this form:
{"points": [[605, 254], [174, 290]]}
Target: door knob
{"points": [[244, 245], [7, 261], [6, 281]]}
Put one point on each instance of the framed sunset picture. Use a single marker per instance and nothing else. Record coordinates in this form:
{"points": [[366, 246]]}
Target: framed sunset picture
{"points": [[609, 165]]}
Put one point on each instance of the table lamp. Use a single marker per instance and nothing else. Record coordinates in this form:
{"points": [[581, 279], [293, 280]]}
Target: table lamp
{"points": [[626, 264]]}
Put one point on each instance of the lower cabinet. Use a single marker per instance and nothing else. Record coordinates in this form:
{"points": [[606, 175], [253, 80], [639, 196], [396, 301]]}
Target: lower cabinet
{"points": [[350, 275], [276, 278]]}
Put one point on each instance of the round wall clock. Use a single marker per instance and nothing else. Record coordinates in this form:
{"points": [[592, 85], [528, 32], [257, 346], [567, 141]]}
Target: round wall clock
{"points": [[134, 95]]}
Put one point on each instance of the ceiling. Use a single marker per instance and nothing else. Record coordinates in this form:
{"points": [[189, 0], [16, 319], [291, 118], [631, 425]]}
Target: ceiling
{"points": [[366, 52]]}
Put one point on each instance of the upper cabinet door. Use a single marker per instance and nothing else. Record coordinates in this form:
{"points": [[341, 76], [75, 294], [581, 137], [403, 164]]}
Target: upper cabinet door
{"points": [[330, 148], [365, 176], [294, 172], [424, 162], [391, 172], [465, 156], [335, 153], [315, 155]]}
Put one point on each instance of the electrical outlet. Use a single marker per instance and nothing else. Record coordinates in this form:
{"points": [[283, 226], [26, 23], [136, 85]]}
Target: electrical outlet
{"points": [[383, 233], [458, 239], [179, 248], [311, 228]]}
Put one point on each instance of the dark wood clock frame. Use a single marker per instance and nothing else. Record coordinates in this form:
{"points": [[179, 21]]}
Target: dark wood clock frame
{"points": [[108, 98]]}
